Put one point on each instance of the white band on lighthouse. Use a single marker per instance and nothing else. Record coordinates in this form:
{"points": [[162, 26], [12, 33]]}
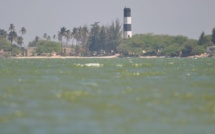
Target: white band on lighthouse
{"points": [[127, 20], [127, 34]]}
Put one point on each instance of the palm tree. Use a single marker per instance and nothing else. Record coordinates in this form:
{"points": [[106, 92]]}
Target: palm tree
{"points": [[59, 37], [23, 31], [63, 31], [12, 36], [67, 36], [20, 41], [49, 38], [37, 38], [54, 37], [3, 33], [61, 34], [79, 34], [74, 34], [11, 28], [45, 35], [84, 38], [84, 32]]}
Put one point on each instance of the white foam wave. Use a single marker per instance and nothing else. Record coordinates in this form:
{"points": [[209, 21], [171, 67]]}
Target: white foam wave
{"points": [[94, 65], [89, 65], [119, 65]]}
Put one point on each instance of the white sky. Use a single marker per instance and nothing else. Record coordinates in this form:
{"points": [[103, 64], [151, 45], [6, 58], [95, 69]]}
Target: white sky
{"points": [[173, 17]]}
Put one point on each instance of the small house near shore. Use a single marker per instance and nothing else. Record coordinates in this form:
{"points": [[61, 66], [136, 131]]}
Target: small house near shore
{"points": [[30, 51], [67, 51], [3, 53]]}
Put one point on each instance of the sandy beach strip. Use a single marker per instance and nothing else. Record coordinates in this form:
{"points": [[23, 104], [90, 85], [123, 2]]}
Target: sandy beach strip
{"points": [[64, 57]]}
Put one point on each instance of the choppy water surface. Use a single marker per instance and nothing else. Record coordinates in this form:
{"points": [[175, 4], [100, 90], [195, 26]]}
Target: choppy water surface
{"points": [[107, 96]]}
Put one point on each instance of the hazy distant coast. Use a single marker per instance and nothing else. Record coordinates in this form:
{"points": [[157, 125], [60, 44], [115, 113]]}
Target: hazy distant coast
{"points": [[103, 57], [98, 40], [64, 57]]}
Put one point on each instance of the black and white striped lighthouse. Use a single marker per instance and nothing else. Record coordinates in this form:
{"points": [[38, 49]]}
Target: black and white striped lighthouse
{"points": [[127, 32]]}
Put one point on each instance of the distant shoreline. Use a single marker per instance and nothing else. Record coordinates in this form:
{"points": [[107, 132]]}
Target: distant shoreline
{"points": [[80, 57], [204, 55], [66, 57], [61, 57], [99, 57]]}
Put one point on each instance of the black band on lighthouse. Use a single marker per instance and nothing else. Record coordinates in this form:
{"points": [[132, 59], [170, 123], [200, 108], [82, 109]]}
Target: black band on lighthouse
{"points": [[127, 12], [127, 27]]}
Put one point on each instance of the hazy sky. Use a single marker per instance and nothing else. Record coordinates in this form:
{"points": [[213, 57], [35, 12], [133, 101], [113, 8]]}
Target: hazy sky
{"points": [[173, 17]]}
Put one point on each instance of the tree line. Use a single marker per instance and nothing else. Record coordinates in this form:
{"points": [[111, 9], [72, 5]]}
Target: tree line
{"points": [[165, 45], [98, 39], [16, 41], [85, 41]]}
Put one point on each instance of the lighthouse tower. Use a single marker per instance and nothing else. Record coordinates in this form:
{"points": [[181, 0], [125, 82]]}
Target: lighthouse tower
{"points": [[127, 32]]}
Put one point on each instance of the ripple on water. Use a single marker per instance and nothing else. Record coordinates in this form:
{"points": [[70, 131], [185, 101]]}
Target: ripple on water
{"points": [[130, 95]]}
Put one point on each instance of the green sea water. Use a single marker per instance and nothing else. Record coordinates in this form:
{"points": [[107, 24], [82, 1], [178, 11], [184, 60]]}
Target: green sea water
{"points": [[107, 96]]}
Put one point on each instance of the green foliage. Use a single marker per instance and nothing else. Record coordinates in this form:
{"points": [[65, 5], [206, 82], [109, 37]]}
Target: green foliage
{"points": [[105, 38], [20, 41], [12, 36], [129, 50], [3, 33], [198, 50], [207, 41], [23, 31], [4, 44], [172, 50], [123, 49], [93, 41], [11, 28], [15, 50], [213, 36], [188, 47], [162, 45], [47, 47], [114, 36], [32, 43], [202, 39], [149, 44]]}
